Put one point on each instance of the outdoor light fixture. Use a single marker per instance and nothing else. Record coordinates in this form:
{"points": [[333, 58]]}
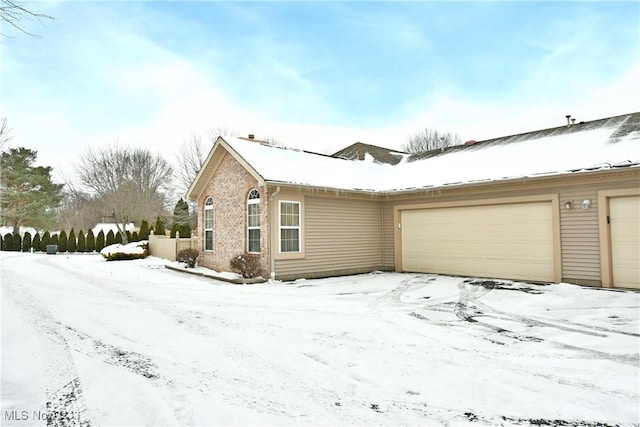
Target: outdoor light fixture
{"points": [[568, 205], [586, 204]]}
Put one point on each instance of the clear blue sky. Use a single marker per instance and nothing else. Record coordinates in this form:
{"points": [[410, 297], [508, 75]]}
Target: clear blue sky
{"points": [[314, 75]]}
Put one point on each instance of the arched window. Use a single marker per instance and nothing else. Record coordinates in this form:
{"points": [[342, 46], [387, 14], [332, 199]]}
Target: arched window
{"points": [[253, 221], [208, 224]]}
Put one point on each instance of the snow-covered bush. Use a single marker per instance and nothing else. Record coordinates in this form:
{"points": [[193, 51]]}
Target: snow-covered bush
{"points": [[188, 256], [133, 250], [248, 265]]}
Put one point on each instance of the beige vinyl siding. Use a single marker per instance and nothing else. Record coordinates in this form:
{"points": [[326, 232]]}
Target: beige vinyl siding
{"points": [[341, 236], [388, 256], [579, 234]]}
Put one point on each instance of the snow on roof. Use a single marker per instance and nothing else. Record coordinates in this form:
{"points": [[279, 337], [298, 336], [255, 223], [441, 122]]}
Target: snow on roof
{"points": [[6, 229], [106, 227], [598, 146]]}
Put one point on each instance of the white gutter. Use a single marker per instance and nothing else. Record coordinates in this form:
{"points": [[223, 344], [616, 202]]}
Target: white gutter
{"points": [[272, 261]]}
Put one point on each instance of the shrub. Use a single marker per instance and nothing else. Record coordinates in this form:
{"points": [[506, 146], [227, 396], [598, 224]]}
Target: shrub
{"points": [[26, 242], [188, 256], [119, 252], [53, 240], [159, 228], [82, 242], [111, 238], [46, 240], [100, 242], [17, 243], [248, 265], [91, 241], [37, 243], [63, 241], [7, 243], [72, 242], [135, 237], [144, 230]]}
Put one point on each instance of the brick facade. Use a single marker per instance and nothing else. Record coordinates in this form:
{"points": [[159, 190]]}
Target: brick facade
{"points": [[229, 189]]}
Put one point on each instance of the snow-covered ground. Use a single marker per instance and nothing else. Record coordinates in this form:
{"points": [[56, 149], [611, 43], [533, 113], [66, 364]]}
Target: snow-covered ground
{"points": [[134, 343]]}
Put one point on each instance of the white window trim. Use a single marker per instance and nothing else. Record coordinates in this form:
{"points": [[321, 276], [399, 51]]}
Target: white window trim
{"points": [[252, 202], [298, 227], [208, 207]]}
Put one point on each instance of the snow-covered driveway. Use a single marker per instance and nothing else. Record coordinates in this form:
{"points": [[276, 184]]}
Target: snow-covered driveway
{"points": [[131, 343]]}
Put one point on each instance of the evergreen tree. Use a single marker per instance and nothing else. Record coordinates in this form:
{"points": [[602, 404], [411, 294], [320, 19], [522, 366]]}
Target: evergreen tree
{"points": [[46, 240], [128, 236], [37, 243], [118, 238], [54, 239], [27, 193], [91, 241], [159, 228], [111, 238], [7, 243], [17, 243], [100, 241], [144, 230], [26, 242], [72, 243], [180, 219], [63, 241], [1, 242], [134, 237], [82, 244]]}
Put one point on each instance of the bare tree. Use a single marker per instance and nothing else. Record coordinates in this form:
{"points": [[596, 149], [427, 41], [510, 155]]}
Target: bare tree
{"points": [[222, 131], [131, 183], [191, 156], [14, 13], [429, 139], [5, 137]]}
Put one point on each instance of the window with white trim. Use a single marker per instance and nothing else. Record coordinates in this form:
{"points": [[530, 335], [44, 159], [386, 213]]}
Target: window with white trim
{"points": [[208, 224], [289, 226], [253, 222]]}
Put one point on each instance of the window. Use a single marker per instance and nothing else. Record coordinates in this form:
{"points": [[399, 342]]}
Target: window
{"points": [[289, 226], [253, 221], [208, 225]]}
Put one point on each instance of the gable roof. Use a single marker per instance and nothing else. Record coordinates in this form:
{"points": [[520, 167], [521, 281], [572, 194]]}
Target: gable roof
{"points": [[596, 145], [359, 151]]}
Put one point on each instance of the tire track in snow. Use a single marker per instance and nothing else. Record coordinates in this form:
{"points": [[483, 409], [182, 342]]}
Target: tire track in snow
{"points": [[463, 312], [469, 308], [253, 394], [65, 401]]}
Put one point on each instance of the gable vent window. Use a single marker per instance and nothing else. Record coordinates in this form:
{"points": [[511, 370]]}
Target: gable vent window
{"points": [[289, 226], [208, 224], [253, 222]]}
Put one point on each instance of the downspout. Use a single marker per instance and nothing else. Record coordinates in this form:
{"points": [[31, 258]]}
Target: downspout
{"points": [[272, 261]]}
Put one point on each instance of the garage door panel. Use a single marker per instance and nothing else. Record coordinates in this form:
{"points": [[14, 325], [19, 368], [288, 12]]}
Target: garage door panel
{"points": [[625, 241], [507, 241]]}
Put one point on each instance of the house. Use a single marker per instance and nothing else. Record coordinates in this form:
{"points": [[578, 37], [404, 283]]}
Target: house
{"points": [[553, 205]]}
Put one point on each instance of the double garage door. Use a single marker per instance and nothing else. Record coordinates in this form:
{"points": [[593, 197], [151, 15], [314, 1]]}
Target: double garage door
{"points": [[513, 241]]}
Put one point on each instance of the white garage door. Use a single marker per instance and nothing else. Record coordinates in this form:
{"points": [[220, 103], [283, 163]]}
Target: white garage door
{"points": [[513, 241], [624, 217]]}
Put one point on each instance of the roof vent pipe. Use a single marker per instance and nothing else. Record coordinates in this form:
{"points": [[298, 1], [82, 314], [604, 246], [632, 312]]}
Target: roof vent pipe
{"points": [[568, 116], [251, 136], [573, 122]]}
